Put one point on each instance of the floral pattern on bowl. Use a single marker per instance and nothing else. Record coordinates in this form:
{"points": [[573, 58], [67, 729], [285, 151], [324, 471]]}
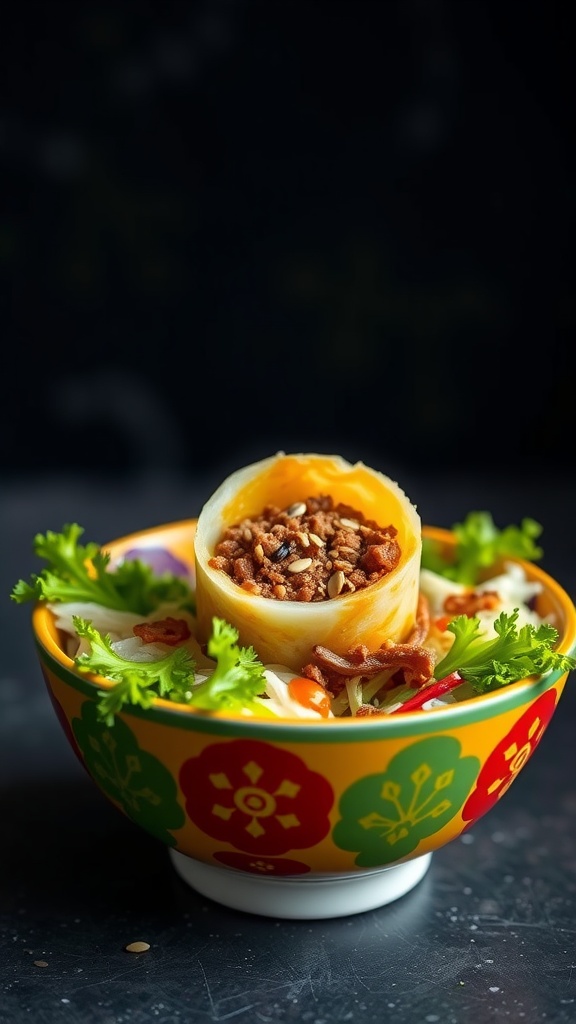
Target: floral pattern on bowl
{"points": [[301, 800]]}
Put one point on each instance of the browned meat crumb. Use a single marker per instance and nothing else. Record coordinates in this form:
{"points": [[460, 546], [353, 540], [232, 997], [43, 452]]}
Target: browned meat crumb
{"points": [[163, 631], [471, 603], [312, 551]]}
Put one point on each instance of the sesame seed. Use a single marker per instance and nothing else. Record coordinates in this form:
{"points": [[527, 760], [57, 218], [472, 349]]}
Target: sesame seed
{"points": [[335, 583], [259, 553], [247, 535], [137, 947], [297, 509], [351, 524], [300, 565], [316, 540], [304, 540], [279, 591]]}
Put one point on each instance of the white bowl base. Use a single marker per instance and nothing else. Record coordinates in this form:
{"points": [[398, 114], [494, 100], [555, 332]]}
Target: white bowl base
{"points": [[301, 897]]}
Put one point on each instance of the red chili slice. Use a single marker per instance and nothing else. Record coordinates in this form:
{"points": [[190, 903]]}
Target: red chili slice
{"points": [[426, 693]]}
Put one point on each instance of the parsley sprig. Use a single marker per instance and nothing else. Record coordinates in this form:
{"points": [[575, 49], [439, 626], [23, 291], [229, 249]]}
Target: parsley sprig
{"points": [[137, 683], [82, 573], [480, 545], [513, 654], [237, 677], [78, 572]]}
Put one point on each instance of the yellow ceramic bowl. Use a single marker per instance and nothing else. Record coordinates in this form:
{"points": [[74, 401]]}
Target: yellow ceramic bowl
{"points": [[297, 818]]}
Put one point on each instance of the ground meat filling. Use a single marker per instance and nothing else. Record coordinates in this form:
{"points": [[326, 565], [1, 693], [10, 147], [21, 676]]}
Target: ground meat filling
{"points": [[312, 551]]}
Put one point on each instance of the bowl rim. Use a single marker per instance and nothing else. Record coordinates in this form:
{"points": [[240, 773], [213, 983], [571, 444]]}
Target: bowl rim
{"points": [[479, 707]]}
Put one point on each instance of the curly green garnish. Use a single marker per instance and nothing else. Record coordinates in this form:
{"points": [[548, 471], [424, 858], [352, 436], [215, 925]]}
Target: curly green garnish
{"points": [[479, 546], [513, 654], [79, 572]]}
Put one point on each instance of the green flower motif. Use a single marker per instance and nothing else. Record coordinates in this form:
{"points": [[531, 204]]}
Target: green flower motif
{"points": [[129, 775], [385, 816]]}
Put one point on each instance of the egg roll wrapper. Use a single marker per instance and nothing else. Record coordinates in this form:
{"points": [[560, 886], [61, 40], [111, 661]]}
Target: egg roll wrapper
{"points": [[284, 632]]}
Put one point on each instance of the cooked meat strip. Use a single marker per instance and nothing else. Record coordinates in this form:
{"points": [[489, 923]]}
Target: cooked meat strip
{"points": [[332, 670], [416, 661]]}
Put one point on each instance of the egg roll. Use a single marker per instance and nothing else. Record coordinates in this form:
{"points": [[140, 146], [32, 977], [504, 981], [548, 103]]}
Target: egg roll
{"points": [[287, 587]]}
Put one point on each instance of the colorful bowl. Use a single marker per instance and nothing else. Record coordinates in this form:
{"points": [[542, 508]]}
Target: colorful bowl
{"points": [[299, 819]]}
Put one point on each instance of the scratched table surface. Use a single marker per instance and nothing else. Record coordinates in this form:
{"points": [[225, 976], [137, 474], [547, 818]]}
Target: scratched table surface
{"points": [[488, 935]]}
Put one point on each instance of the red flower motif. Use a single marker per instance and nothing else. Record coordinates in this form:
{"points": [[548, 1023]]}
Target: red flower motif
{"points": [[261, 865], [509, 757], [256, 797]]}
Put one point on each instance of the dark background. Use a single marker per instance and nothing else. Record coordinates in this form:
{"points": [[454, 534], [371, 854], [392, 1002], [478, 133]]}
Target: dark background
{"points": [[230, 227]]}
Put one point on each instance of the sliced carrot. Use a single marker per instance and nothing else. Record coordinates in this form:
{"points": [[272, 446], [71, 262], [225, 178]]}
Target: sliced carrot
{"points": [[442, 622], [310, 695]]}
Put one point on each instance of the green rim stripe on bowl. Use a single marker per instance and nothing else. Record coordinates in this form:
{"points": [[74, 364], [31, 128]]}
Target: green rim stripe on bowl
{"points": [[333, 731]]}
